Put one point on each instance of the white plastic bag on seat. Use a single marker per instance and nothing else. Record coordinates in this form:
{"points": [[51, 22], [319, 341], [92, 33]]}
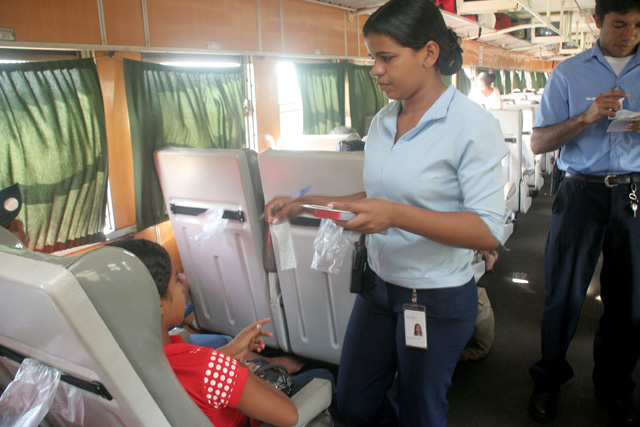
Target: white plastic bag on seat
{"points": [[34, 391]]}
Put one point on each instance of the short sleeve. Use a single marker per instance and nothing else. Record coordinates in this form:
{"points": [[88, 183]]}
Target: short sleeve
{"points": [[224, 380]]}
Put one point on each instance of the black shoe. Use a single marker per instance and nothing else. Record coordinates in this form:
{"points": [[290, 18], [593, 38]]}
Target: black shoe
{"points": [[543, 406], [622, 411]]}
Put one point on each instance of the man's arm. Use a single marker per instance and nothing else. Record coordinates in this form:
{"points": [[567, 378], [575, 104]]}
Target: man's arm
{"points": [[552, 137]]}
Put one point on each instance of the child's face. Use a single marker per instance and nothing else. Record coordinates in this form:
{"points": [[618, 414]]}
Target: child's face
{"points": [[172, 307]]}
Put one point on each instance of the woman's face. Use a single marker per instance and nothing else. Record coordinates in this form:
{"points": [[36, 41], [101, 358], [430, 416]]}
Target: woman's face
{"points": [[399, 70]]}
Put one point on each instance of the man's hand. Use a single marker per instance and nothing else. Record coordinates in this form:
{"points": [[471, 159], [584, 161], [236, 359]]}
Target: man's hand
{"points": [[605, 104]]}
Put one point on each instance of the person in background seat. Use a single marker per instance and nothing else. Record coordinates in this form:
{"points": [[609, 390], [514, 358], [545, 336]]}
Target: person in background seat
{"points": [[484, 93]]}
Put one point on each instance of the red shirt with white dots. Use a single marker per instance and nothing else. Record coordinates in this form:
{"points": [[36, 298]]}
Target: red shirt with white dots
{"points": [[213, 380]]}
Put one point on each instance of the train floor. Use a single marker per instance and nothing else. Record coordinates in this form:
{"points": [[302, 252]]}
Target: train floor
{"points": [[495, 391]]}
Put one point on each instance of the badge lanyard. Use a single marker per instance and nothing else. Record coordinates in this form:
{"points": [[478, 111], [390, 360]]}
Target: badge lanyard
{"points": [[415, 323]]}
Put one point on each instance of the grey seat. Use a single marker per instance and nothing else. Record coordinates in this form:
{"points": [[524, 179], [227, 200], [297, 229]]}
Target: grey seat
{"points": [[229, 285], [318, 305], [95, 317]]}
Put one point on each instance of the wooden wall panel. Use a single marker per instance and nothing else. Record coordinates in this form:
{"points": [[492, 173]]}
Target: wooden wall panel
{"points": [[362, 19], [353, 36], [111, 75], [270, 25], [123, 22], [62, 21], [167, 241], [267, 104], [309, 26], [190, 24], [501, 58]]}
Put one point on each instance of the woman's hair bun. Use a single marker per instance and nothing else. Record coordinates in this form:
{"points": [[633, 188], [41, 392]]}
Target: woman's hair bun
{"points": [[450, 54]]}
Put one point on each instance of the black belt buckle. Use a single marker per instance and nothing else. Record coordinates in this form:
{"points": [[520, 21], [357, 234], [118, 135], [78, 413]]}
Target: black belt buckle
{"points": [[607, 183]]}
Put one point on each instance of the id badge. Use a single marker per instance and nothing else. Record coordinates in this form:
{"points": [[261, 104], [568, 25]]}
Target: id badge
{"points": [[415, 325]]}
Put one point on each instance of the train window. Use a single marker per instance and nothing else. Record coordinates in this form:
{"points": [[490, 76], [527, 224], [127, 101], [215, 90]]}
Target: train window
{"points": [[289, 100]]}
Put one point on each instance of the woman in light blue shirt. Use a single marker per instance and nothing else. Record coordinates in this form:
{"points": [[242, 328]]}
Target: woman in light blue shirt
{"points": [[434, 193]]}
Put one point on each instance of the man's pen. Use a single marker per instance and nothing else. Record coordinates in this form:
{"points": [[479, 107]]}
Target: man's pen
{"points": [[292, 198]]}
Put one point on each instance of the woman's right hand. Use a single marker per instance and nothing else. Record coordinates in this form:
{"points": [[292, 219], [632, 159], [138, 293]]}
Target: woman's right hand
{"points": [[280, 208]]}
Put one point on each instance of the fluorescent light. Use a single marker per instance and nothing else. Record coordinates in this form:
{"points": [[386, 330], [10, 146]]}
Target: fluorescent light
{"points": [[203, 64]]}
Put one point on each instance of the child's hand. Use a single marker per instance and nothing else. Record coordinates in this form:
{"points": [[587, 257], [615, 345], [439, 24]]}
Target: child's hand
{"points": [[247, 341]]}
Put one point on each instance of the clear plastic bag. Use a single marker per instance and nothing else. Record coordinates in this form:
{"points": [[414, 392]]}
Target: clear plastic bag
{"points": [[331, 246], [212, 223], [34, 391]]}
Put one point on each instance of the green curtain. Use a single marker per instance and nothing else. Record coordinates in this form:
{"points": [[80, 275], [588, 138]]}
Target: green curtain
{"points": [[498, 82], [322, 93], [53, 136], [517, 82], [532, 80], [541, 80], [365, 96], [188, 107], [507, 82]]}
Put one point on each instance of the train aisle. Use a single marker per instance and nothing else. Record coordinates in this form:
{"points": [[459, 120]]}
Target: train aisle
{"points": [[495, 390]]}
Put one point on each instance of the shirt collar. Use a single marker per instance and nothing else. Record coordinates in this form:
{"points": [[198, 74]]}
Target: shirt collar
{"points": [[437, 111], [596, 52]]}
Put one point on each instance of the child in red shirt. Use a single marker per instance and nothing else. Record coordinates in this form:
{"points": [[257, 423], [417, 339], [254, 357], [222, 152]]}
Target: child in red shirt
{"points": [[223, 389]]}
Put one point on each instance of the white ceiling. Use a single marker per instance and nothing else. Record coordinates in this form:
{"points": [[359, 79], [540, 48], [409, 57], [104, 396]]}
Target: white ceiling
{"points": [[575, 25]]}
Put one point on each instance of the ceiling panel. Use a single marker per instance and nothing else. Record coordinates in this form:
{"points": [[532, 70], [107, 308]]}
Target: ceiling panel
{"points": [[577, 22]]}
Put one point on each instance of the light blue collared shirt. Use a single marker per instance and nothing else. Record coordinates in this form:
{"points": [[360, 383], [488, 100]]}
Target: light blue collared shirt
{"points": [[450, 162], [570, 91]]}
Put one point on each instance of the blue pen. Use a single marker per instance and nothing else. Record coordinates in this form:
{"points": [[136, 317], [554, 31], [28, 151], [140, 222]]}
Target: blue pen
{"points": [[299, 194], [292, 198]]}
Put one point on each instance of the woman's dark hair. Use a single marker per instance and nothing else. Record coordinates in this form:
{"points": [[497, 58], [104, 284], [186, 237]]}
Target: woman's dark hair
{"points": [[487, 78], [413, 23], [154, 257], [619, 6]]}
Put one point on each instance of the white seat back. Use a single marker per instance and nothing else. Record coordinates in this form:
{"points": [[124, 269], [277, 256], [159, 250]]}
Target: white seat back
{"points": [[318, 305], [95, 317], [229, 285], [311, 142], [532, 164], [511, 124]]}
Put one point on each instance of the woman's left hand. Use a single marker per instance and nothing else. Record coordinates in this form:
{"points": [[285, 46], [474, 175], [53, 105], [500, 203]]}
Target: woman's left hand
{"points": [[373, 215], [247, 341]]}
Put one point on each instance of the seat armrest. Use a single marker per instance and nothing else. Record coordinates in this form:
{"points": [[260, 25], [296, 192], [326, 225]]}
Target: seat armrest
{"points": [[184, 334], [314, 398]]}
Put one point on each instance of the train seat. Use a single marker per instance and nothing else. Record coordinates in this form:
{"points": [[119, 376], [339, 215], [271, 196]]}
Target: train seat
{"points": [[95, 317], [318, 304], [511, 124], [229, 284], [532, 164], [327, 142]]}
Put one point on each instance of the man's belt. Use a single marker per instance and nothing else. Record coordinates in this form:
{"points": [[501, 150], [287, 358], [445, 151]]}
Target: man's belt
{"points": [[609, 180]]}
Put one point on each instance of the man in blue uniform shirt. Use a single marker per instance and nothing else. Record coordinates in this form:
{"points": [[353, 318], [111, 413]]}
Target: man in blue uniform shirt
{"points": [[595, 211]]}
